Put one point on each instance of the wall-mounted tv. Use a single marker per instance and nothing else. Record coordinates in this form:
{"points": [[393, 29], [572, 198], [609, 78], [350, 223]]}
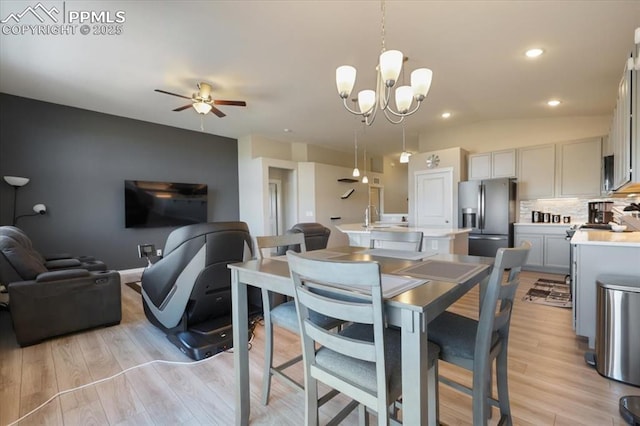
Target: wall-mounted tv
{"points": [[157, 204]]}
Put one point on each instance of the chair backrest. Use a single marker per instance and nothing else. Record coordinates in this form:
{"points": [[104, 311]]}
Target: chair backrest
{"points": [[316, 236], [192, 278], [278, 241], [350, 292], [493, 318], [405, 240], [17, 263], [22, 238]]}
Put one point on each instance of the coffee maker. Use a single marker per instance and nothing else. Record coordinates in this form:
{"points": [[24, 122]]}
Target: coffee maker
{"points": [[600, 211]]}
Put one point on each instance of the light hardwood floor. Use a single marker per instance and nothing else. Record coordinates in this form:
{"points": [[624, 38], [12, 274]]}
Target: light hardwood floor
{"points": [[549, 382]]}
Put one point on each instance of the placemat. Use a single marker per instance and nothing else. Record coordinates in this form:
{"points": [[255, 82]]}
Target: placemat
{"points": [[398, 254], [442, 271], [392, 285]]}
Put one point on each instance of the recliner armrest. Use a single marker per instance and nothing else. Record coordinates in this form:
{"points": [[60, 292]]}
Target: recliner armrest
{"points": [[62, 263], [66, 274], [57, 256]]}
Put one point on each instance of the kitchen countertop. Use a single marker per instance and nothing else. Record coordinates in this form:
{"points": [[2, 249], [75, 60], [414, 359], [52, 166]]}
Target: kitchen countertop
{"points": [[606, 238], [565, 225], [359, 228]]}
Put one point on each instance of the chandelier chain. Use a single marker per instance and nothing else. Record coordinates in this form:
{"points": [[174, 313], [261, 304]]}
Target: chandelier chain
{"points": [[383, 9]]}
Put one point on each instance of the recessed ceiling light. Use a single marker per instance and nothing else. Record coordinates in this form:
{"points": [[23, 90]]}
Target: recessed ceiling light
{"points": [[553, 102], [446, 114], [287, 130], [534, 53]]}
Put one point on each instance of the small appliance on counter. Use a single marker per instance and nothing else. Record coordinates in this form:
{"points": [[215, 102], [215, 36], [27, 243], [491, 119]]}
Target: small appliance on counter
{"points": [[600, 211]]}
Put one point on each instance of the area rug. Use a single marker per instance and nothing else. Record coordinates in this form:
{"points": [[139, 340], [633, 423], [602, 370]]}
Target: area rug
{"points": [[550, 293]]}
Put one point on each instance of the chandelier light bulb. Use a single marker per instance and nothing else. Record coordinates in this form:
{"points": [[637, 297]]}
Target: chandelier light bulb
{"points": [[345, 80], [366, 101], [390, 66], [404, 97], [421, 82]]}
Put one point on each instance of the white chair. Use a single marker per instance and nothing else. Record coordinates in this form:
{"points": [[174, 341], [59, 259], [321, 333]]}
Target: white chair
{"points": [[363, 360], [281, 315], [474, 345], [405, 240]]}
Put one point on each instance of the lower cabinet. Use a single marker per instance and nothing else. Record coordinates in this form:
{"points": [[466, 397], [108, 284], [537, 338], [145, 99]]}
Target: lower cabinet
{"points": [[550, 249]]}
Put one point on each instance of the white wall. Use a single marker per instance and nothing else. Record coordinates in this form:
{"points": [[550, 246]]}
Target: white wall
{"points": [[504, 134]]}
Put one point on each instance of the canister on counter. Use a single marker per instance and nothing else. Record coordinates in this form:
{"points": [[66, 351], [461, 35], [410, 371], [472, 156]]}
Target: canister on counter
{"points": [[546, 217], [535, 217], [556, 218], [566, 219]]}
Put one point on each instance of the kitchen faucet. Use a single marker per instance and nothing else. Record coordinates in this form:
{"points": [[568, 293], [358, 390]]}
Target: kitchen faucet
{"points": [[367, 214]]}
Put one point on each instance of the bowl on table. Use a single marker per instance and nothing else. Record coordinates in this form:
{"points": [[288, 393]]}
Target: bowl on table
{"points": [[618, 228]]}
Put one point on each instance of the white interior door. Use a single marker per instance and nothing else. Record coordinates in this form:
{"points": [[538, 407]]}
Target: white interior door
{"points": [[434, 198]]}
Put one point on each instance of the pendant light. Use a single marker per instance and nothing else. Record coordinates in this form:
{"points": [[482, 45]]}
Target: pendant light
{"points": [[365, 179], [404, 157], [356, 172]]}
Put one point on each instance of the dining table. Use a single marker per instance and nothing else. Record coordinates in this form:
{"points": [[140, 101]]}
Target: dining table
{"points": [[437, 281]]}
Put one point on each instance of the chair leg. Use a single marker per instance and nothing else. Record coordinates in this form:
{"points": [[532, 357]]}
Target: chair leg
{"points": [[432, 394], [311, 402], [363, 415], [503, 388], [268, 353], [481, 382]]}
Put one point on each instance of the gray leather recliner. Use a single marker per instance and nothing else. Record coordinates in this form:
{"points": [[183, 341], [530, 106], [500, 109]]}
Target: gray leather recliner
{"points": [[316, 237], [46, 303]]}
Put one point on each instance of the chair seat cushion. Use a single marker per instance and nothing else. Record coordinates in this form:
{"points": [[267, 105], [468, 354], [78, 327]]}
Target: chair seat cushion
{"points": [[285, 316], [363, 373], [456, 336]]}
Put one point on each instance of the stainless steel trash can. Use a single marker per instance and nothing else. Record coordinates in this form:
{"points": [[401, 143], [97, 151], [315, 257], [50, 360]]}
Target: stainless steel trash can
{"points": [[618, 328]]}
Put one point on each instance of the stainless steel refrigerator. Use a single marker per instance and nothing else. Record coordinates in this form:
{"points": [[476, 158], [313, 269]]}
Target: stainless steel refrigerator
{"points": [[488, 207]]}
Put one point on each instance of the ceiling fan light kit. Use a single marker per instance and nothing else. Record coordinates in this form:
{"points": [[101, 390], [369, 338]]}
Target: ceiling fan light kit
{"points": [[202, 101], [388, 71]]}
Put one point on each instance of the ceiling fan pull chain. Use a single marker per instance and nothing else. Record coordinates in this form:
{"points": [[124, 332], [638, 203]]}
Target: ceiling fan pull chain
{"points": [[201, 122]]}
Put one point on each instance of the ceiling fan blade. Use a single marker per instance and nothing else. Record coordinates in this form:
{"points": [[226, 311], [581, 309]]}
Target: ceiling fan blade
{"points": [[172, 94], [182, 108], [232, 103], [217, 112]]}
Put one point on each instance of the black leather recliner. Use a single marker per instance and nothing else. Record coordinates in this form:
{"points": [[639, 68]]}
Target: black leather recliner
{"points": [[45, 303], [52, 262], [316, 237], [187, 293]]}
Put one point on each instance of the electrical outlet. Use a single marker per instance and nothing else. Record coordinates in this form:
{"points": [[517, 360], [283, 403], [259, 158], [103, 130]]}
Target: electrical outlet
{"points": [[159, 252], [434, 245]]}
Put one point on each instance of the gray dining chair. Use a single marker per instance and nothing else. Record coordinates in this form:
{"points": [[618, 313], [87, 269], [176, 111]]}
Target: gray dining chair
{"points": [[361, 361], [475, 344], [405, 240], [279, 312]]}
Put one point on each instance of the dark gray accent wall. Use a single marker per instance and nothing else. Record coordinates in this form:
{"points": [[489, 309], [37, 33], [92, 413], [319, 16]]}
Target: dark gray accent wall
{"points": [[78, 160]]}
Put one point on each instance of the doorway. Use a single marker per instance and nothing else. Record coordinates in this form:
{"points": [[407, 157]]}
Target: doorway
{"points": [[275, 207]]}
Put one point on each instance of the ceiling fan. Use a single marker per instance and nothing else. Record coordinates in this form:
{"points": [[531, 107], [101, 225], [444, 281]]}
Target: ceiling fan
{"points": [[202, 101]]}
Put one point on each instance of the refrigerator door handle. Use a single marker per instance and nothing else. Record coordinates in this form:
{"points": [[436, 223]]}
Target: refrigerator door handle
{"points": [[484, 237], [481, 206]]}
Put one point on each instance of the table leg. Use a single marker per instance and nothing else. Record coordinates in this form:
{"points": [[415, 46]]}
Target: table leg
{"points": [[414, 368], [240, 350]]}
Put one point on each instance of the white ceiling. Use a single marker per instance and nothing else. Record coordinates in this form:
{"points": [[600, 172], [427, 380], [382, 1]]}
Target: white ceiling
{"points": [[280, 57]]}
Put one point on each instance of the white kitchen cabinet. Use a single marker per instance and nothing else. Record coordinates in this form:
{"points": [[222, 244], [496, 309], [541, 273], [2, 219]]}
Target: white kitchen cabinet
{"points": [[490, 165], [536, 172], [549, 247], [579, 168]]}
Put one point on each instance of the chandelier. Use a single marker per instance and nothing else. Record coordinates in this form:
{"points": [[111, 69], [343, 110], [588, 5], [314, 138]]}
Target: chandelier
{"points": [[388, 71]]}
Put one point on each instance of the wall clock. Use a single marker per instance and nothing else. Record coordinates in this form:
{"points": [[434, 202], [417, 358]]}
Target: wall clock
{"points": [[432, 161]]}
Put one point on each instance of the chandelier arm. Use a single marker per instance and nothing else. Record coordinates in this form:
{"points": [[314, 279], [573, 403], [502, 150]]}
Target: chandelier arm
{"points": [[390, 119], [406, 114], [344, 101]]}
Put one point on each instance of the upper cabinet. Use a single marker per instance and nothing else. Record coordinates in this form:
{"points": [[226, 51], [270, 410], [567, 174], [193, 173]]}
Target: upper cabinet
{"points": [[536, 172], [579, 168], [566, 169], [490, 165]]}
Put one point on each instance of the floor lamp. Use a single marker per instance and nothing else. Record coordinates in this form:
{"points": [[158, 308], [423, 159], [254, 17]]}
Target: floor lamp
{"points": [[16, 182]]}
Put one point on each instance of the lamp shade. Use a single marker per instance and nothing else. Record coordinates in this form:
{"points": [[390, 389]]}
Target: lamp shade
{"points": [[356, 172], [404, 97], [16, 180], [365, 179], [390, 66], [421, 82], [366, 101], [202, 107], [404, 157], [345, 80]]}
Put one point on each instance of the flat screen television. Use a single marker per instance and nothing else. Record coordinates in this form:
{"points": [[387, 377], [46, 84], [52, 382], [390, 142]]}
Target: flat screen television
{"points": [[159, 204]]}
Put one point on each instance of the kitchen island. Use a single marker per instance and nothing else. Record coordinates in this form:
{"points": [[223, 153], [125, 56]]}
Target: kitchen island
{"points": [[440, 240], [597, 253]]}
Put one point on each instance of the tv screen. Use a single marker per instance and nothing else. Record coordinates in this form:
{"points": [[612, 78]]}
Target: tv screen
{"points": [[156, 204]]}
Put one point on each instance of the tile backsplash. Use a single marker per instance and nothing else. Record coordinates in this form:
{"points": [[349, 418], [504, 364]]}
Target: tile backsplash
{"points": [[574, 207]]}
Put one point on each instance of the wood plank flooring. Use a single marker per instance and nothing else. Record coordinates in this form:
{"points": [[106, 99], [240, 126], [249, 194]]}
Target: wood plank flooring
{"points": [[549, 382]]}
